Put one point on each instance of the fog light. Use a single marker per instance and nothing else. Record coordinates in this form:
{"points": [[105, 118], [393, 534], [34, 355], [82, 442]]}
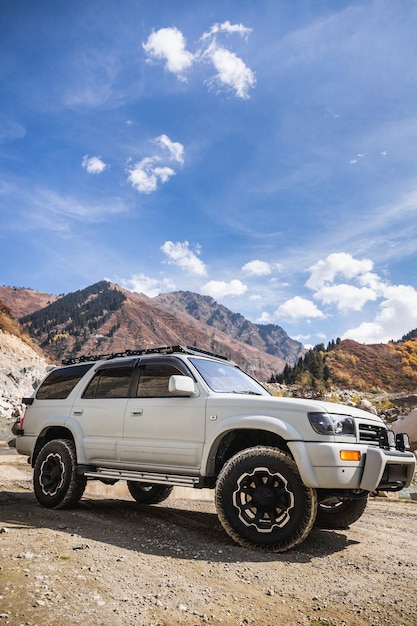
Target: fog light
{"points": [[350, 455], [402, 442], [387, 439]]}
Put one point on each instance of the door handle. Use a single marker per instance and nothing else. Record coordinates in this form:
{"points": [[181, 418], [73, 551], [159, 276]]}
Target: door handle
{"points": [[137, 412], [78, 411]]}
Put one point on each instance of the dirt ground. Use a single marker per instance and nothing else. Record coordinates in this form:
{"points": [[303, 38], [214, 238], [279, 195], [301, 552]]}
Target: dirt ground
{"points": [[114, 562]]}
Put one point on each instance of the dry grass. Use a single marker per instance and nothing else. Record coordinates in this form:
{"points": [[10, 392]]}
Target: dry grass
{"points": [[389, 367], [10, 325]]}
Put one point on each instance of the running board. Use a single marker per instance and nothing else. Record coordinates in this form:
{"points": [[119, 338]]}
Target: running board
{"points": [[162, 479]]}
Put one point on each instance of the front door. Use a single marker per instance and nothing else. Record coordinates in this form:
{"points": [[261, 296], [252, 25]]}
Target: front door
{"points": [[162, 431]]}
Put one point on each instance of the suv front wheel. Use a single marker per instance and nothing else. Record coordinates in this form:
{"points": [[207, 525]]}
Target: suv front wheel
{"points": [[55, 480], [261, 501]]}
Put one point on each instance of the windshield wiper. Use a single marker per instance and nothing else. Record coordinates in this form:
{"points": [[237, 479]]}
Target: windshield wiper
{"points": [[247, 393]]}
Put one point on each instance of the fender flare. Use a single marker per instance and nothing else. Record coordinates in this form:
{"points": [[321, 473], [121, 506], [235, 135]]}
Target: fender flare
{"points": [[287, 432]]}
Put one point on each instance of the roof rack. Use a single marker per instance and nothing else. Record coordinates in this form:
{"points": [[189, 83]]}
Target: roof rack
{"points": [[162, 350]]}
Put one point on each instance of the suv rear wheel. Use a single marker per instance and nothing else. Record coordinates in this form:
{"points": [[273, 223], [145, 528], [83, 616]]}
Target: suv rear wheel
{"points": [[261, 501], [148, 493], [55, 480]]}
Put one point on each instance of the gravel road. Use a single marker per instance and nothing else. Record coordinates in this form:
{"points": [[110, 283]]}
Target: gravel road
{"points": [[114, 562]]}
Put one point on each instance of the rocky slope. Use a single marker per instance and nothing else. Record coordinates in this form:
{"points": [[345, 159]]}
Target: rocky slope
{"points": [[21, 370]]}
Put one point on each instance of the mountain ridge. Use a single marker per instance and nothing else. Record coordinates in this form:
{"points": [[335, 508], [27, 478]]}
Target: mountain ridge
{"points": [[269, 338], [105, 318]]}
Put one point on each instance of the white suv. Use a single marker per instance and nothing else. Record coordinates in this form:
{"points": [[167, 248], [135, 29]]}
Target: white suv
{"points": [[181, 416]]}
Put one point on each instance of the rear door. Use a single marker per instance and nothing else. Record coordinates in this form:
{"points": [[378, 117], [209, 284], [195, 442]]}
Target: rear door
{"points": [[161, 431], [100, 411]]}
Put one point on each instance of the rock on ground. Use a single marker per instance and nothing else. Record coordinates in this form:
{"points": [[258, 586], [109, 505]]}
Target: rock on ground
{"points": [[407, 424]]}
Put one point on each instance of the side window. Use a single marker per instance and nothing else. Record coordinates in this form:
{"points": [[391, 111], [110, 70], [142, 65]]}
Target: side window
{"points": [[61, 381], [154, 379], [109, 383]]}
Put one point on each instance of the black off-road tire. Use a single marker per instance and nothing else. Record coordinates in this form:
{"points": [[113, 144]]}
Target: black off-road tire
{"points": [[148, 493], [261, 501], [338, 513], [55, 480]]}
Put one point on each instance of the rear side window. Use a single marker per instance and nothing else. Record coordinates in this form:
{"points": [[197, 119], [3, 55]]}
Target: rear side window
{"points": [[110, 382], [61, 381]]}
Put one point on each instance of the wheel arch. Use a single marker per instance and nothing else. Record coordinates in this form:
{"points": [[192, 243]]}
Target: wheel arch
{"points": [[49, 433], [233, 441]]}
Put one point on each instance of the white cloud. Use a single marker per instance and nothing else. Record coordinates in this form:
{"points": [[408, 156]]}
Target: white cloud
{"points": [[227, 27], [146, 175], [219, 289], [175, 149], [231, 71], [346, 297], [140, 283], [180, 254], [265, 318], [324, 272], [298, 308], [257, 268], [395, 306], [169, 44], [369, 279], [94, 165], [397, 315]]}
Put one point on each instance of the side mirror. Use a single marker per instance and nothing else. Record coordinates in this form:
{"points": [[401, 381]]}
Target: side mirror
{"points": [[182, 386]]}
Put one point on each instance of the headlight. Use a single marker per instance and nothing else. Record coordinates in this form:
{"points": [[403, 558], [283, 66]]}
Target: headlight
{"points": [[332, 424]]}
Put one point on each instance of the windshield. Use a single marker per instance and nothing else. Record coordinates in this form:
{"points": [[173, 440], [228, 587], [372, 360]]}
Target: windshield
{"points": [[226, 378]]}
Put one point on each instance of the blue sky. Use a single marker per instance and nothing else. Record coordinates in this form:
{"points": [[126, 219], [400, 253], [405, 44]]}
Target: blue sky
{"points": [[261, 152]]}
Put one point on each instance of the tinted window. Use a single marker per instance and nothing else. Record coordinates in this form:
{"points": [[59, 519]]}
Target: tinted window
{"points": [[109, 383], [154, 379], [61, 381]]}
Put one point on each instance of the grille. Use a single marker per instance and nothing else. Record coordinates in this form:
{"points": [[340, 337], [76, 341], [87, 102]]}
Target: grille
{"points": [[369, 433]]}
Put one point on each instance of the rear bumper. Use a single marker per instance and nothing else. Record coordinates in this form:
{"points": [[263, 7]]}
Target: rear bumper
{"points": [[25, 445]]}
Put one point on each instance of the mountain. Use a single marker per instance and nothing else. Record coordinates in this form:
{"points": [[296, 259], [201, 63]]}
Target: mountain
{"points": [[22, 301], [346, 364], [269, 338], [391, 366], [105, 318]]}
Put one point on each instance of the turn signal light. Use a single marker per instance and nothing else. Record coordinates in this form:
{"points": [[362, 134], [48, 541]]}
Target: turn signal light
{"points": [[350, 455]]}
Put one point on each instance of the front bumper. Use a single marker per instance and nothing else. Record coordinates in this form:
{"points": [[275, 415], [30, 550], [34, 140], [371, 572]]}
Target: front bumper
{"points": [[321, 467], [387, 470]]}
